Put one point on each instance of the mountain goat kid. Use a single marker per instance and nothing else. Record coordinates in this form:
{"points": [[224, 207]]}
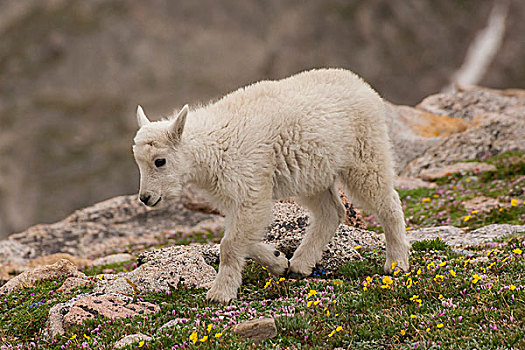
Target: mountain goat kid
{"points": [[273, 140]]}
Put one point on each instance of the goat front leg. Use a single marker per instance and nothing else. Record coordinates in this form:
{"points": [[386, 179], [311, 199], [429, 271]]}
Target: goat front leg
{"points": [[243, 229]]}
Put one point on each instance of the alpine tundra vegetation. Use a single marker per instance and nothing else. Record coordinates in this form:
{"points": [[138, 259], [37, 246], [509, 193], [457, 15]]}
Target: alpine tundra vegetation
{"points": [[274, 140]]}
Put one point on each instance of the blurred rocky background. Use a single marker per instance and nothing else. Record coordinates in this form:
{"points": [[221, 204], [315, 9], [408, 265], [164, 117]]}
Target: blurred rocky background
{"points": [[72, 73]]}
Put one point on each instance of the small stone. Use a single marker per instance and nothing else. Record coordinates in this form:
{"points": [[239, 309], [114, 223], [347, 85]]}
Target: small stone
{"points": [[73, 283], [410, 183], [161, 270], [28, 278], [112, 259], [256, 330], [461, 168], [130, 339], [481, 203], [109, 306]]}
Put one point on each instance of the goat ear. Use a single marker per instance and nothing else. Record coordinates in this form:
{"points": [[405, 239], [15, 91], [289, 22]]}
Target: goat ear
{"points": [[177, 127], [141, 117]]}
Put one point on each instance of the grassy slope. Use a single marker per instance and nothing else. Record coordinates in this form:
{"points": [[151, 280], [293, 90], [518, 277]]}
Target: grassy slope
{"points": [[447, 301]]}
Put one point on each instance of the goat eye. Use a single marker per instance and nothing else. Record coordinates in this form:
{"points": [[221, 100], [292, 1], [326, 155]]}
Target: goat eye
{"points": [[160, 162]]}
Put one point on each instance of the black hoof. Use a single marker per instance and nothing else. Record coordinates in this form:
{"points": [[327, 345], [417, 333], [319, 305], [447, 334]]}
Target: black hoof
{"points": [[295, 276], [276, 253]]}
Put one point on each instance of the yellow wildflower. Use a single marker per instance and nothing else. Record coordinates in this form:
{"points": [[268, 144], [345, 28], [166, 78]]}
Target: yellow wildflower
{"points": [[141, 343], [73, 337], [466, 262], [409, 228], [409, 282], [438, 278], [441, 325], [435, 196], [428, 329], [500, 209], [403, 332], [397, 272], [512, 287], [517, 251], [440, 296], [310, 293], [414, 297], [418, 271], [357, 246], [413, 316], [268, 283], [431, 265], [441, 264], [339, 329], [426, 200], [308, 304], [394, 264], [492, 251], [387, 281], [317, 302], [210, 326], [474, 212], [203, 339], [369, 279], [327, 312], [408, 274], [507, 258], [194, 337], [452, 273], [218, 335], [331, 334], [475, 278], [466, 218], [514, 202], [87, 337]]}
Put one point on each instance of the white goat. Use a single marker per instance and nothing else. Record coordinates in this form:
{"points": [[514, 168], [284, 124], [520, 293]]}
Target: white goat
{"points": [[272, 140]]}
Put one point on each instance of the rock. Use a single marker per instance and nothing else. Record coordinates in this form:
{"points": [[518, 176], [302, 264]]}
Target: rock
{"points": [[110, 306], [161, 270], [112, 259], [28, 278], [256, 330], [412, 131], [53, 258], [353, 216], [171, 324], [289, 227], [13, 252], [130, 339], [469, 103], [410, 183], [481, 203], [55, 319], [73, 283], [457, 237], [108, 225], [496, 125], [457, 168]]}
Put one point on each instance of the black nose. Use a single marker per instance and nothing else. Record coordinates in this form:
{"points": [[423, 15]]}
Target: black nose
{"points": [[145, 198]]}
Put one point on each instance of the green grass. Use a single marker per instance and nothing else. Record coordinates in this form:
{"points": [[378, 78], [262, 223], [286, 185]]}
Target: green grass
{"points": [[485, 314], [443, 205], [447, 301]]}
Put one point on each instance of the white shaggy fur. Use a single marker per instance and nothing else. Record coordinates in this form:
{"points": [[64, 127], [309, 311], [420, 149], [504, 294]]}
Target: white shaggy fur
{"points": [[272, 140]]}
